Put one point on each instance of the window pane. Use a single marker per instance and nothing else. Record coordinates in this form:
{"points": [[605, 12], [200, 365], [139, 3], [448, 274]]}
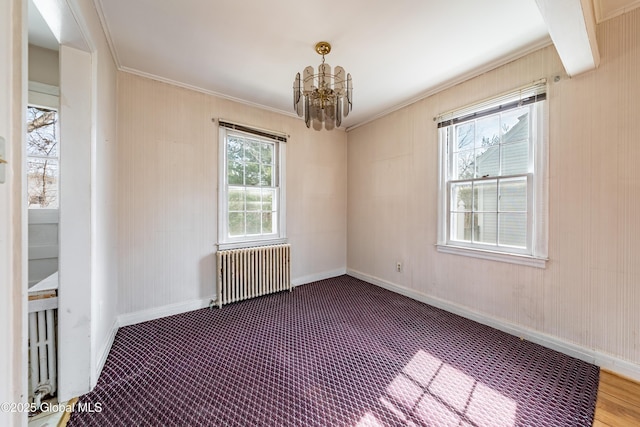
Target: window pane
{"points": [[267, 200], [252, 174], [252, 151], [464, 136], [235, 175], [485, 228], [254, 200], [463, 164], [488, 161], [513, 195], [236, 199], [266, 153], [515, 158], [460, 229], [513, 229], [266, 176], [515, 125], [254, 222], [42, 183], [487, 131], [267, 223], [41, 132], [485, 196], [488, 189], [251, 190], [236, 224], [461, 197], [235, 150]]}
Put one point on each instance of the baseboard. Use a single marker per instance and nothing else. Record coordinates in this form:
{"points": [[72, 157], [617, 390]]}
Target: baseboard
{"points": [[606, 361], [318, 276], [163, 311], [104, 351], [182, 307]]}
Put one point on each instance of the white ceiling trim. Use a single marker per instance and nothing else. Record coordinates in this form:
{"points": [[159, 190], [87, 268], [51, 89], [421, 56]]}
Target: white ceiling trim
{"points": [[603, 15], [571, 24], [460, 79], [205, 91], [107, 33]]}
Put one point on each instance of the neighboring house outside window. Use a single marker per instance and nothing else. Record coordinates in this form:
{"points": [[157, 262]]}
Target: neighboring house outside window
{"points": [[492, 173], [251, 194]]}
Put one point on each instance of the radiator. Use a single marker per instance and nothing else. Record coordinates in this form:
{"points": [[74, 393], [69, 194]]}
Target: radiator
{"points": [[42, 353], [252, 272]]}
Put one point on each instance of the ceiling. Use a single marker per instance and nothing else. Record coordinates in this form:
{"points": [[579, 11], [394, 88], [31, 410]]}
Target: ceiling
{"points": [[396, 52]]}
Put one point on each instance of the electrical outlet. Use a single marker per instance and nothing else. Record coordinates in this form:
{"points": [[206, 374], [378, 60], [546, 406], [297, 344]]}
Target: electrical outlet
{"points": [[399, 267]]}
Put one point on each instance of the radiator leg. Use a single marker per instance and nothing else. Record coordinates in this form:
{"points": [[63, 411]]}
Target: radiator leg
{"points": [[51, 350], [33, 350], [38, 400]]}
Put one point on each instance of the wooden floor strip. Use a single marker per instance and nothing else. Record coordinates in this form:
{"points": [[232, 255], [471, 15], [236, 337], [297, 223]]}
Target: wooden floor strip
{"points": [[618, 403], [620, 387], [65, 418]]}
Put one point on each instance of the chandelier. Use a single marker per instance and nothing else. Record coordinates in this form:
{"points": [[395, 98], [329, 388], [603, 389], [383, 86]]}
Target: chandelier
{"points": [[324, 97]]}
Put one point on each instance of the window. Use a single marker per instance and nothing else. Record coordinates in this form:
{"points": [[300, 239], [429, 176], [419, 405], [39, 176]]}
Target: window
{"points": [[251, 195], [42, 157], [492, 174]]}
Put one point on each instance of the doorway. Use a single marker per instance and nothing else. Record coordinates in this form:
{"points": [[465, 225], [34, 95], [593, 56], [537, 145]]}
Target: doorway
{"points": [[42, 150], [65, 198]]}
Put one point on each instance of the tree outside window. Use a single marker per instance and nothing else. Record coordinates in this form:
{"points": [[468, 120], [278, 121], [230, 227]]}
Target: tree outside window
{"points": [[42, 158]]}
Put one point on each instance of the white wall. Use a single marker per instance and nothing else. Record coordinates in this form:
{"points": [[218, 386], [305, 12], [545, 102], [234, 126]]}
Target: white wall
{"points": [[168, 201], [104, 201], [12, 253], [88, 273], [74, 308], [588, 295], [44, 66]]}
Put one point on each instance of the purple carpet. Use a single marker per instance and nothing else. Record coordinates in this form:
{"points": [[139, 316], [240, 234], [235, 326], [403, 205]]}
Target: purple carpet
{"points": [[338, 352]]}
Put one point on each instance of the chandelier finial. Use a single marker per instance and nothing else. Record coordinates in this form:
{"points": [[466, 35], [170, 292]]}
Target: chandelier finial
{"points": [[323, 48]]}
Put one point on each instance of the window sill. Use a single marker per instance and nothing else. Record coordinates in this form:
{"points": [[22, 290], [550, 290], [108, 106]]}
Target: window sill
{"points": [[250, 244], [494, 256]]}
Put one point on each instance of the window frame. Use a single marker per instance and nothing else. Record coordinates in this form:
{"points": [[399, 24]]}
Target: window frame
{"points": [[224, 240], [45, 101], [535, 253]]}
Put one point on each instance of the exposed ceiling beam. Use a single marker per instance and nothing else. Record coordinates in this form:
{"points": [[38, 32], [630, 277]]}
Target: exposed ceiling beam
{"points": [[61, 20], [572, 28]]}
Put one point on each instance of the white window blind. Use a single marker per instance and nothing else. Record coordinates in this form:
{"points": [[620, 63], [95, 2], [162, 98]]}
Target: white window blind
{"points": [[525, 95]]}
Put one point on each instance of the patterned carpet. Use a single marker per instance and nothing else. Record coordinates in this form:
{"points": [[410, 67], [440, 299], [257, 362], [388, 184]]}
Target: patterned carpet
{"points": [[338, 352]]}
